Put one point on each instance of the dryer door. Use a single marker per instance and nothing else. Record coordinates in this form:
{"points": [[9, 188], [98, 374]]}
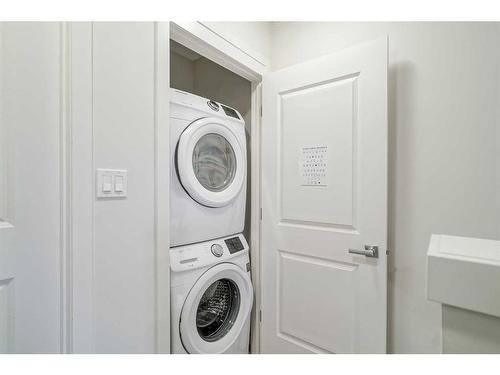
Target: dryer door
{"points": [[216, 309], [211, 162]]}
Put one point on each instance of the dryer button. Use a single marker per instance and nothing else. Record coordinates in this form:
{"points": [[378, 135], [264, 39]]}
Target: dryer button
{"points": [[217, 250], [213, 105]]}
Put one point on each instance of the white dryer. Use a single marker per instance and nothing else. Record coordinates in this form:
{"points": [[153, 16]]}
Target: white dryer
{"points": [[209, 169], [211, 297]]}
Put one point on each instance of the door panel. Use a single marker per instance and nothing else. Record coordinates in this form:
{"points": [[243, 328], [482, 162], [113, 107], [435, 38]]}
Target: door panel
{"points": [[33, 141], [332, 126], [6, 315], [306, 310], [324, 191]]}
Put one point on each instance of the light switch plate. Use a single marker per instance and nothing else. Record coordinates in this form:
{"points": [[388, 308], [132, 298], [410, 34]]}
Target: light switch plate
{"points": [[111, 183]]}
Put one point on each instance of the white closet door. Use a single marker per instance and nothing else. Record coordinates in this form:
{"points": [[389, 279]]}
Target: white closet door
{"points": [[324, 181], [32, 226]]}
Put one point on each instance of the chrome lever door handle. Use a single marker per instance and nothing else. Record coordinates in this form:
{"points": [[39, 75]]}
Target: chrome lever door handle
{"points": [[369, 251]]}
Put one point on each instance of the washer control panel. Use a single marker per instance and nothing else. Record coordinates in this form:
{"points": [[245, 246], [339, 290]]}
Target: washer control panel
{"points": [[217, 250], [183, 258]]}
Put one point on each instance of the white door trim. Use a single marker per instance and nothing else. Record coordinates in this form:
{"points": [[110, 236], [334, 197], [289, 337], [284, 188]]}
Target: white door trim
{"points": [[65, 186], [82, 194], [256, 213], [252, 54], [162, 185], [206, 42], [247, 64]]}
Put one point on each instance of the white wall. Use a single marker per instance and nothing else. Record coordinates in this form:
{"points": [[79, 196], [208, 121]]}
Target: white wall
{"points": [[120, 248], [443, 120], [3, 142], [498, 144], [124, 233]]}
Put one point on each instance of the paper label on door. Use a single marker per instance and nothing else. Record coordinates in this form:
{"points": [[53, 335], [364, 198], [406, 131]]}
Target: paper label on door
{"points": [[313, 165]]}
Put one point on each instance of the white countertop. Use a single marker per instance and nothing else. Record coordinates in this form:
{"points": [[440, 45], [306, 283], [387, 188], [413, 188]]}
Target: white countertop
{"points": [[464, 272]]}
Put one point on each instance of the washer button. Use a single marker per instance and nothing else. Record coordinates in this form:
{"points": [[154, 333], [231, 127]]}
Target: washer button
{"points": [[217, 250], [213, 105]]}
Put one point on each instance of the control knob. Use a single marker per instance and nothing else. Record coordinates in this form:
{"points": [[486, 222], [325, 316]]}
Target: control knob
{"points": [[217, 250]]}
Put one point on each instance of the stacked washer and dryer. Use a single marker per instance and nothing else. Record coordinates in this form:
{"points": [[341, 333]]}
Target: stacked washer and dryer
{"points": [[211, 289]]}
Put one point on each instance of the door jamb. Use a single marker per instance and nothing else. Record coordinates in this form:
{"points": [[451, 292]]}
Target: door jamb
{"points": [[162, 186], [207, 42]]}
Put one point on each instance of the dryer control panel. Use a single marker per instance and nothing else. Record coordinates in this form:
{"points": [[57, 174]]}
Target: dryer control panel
{"points": [[197, 103], [234, 244], [204, 254]]}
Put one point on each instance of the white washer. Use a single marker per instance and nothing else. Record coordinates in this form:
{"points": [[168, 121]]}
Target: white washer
{"points": [[211, 297], [209, 169]]}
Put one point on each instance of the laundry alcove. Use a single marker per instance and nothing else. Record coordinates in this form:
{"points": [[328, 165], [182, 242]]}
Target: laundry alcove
{"points": [[194, 73]]}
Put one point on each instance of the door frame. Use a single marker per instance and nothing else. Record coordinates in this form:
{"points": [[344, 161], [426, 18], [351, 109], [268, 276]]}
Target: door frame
{"points": [[162, 185], [248, 64]]}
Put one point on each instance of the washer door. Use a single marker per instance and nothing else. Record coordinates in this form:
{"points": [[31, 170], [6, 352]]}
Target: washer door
{"points": [[211, 162], [216, 309]]}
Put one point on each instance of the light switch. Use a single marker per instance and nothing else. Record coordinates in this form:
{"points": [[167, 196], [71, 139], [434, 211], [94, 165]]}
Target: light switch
{"points": [[106, 183], [119, 184], [111, 183]]}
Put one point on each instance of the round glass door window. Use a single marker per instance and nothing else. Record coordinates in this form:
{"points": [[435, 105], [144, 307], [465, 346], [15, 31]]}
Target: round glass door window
{"points": [[214, 162], [217, 310]]}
